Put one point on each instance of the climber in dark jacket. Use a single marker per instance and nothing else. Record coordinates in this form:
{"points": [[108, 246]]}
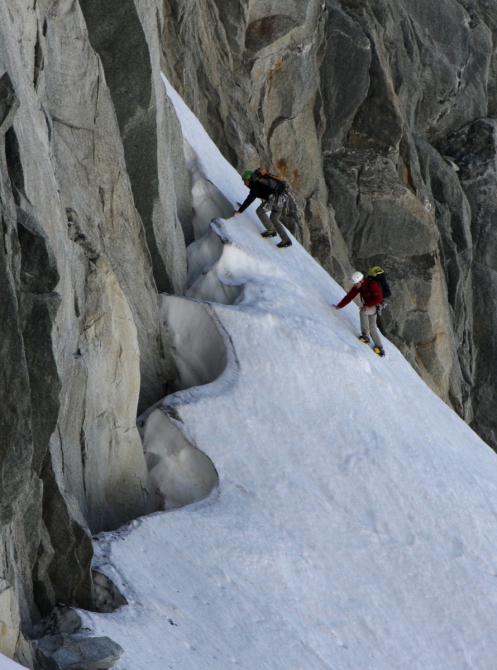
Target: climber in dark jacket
{"points": [[371, 296], [270, 192]]}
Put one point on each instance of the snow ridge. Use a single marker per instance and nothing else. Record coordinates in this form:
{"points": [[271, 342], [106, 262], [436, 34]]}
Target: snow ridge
{"points": [[355, 521]]}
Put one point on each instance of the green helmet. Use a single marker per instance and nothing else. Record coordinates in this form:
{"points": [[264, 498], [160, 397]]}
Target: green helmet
{"points": [[247, 175]]}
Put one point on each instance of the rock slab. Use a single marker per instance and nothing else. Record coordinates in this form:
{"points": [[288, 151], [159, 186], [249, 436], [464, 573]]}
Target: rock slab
{"points": [[69, 652]]}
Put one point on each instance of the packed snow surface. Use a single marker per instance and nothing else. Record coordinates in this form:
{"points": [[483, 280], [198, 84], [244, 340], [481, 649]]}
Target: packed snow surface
{"points": [[355, 521], [7, 664]]}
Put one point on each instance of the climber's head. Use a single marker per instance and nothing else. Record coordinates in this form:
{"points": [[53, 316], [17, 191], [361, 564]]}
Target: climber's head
{"points": [[246, 176], [357, 279]]}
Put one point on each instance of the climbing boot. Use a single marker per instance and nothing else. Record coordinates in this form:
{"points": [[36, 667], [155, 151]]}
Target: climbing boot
{"points": [[380, 351], [284, 243], [269, 233], [364, 338]]}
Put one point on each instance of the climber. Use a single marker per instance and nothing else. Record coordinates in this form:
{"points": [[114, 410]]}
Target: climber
{"points": [[370, 291], [272, 191]]}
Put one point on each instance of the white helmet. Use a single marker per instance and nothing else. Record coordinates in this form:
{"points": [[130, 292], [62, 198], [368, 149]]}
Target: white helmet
{"points": [[356, 277]]}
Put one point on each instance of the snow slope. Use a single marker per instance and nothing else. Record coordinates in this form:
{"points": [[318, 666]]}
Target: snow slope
{"points": [[355, 522], [7, 664]]}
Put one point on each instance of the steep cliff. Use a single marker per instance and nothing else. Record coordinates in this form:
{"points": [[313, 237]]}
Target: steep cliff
{"points": [[351, 102], [91, 232], [379, 115]]}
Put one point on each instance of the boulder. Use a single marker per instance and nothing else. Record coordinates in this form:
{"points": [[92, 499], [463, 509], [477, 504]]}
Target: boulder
{"points": [[71, 652]]}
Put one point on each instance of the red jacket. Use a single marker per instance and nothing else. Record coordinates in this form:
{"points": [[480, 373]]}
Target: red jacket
{"points": [[370, 291]]}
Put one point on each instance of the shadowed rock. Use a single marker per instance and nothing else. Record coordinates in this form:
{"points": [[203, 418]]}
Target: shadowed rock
{"points": [[117, 35], [9, 102], [69, 652], [474, 150], [62, 619], [265, 31]]}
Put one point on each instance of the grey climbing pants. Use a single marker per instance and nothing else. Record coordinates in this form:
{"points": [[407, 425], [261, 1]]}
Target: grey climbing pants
{"points": [[369, 327], [273, 221]]}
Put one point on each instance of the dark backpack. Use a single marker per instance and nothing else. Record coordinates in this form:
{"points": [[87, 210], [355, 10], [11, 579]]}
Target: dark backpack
{"points": [[270, 180], [378, 274]]}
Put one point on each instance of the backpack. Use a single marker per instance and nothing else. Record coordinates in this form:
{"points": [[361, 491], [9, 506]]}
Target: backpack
{"points": [[271, 180], [378, 274]]}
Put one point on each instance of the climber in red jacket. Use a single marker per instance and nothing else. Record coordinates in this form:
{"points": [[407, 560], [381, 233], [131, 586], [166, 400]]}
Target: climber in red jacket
{"points": [[370, 291]]}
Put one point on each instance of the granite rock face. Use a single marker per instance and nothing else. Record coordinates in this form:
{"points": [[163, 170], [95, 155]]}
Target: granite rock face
{"points": [[474, 149], [351, 102], [92, 231], [250, 72], [430, 73]]}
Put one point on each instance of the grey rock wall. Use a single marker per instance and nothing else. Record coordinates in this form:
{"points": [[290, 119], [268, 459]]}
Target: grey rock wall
{"points": [[250, 72], [474, 149], [93, 196], [430, 71], [351, 101]]}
